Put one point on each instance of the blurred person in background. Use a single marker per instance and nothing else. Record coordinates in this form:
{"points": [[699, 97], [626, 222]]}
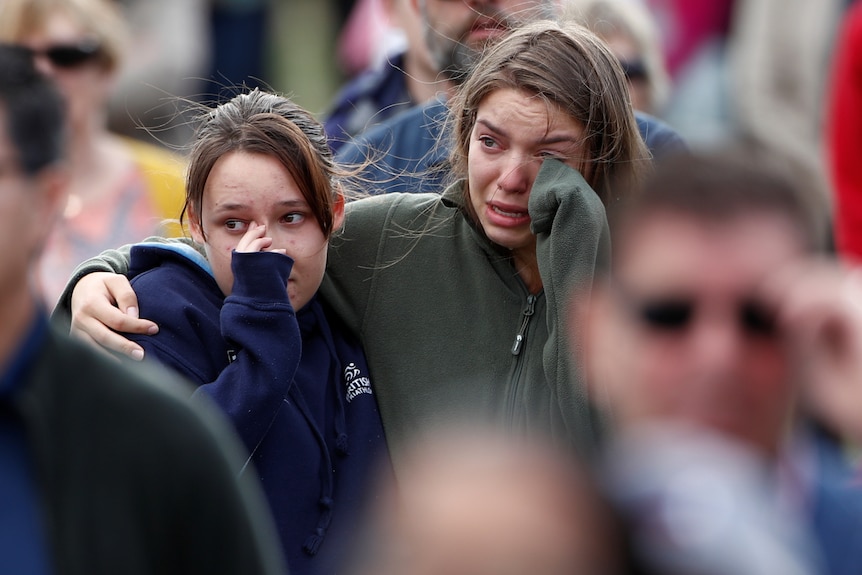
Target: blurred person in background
{"points": [[779, 66], [104, 469], [406, 77], [475, 501], [168, 57], [719, 318], [694, 36], [120, 190], [410, 151], [629, 30]]}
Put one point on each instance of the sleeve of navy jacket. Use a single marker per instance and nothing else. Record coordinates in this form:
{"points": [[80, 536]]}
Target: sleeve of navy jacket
{"points": [[242, 350]]}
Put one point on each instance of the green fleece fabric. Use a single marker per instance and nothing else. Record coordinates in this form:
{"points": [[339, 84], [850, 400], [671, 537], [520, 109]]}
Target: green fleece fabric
{"points": [[438, 307]]}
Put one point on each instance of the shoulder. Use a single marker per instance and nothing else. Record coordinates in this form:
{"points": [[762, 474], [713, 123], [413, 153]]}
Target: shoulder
{"points": [[169, 278], [394, 208], [109, 394], [419, 122], [163, 265], [123, 435], [659, 137], [378, 84]]}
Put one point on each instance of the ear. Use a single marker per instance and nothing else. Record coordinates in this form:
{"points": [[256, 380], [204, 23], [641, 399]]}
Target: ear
{"points": [[338, 211], [195, 227]]}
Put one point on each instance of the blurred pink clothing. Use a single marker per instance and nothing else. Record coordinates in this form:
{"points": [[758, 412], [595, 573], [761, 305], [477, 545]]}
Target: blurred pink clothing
{"points": [[685, 25]]}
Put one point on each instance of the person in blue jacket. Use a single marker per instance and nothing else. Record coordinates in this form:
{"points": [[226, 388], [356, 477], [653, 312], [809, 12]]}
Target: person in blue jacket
{"points": [[245, 325]]}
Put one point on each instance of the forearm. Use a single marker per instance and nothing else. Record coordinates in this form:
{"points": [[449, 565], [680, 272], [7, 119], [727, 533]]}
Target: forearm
{"points": [[572, 241], [260, 328], [112, 261]]}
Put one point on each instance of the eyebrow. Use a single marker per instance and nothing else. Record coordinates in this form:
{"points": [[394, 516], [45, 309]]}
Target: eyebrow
{"points": [[555, 140], [233, 206]]}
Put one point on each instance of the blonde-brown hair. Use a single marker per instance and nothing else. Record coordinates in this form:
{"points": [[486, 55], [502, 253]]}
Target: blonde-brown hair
{"points": [[101, 20], [570, 68]]}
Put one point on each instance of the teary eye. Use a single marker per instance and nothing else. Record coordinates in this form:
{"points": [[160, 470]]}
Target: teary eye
{"points": [[236, 225], [294, 218]]}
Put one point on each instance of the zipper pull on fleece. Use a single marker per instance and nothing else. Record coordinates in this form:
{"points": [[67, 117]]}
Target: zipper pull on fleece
{"points": [[522, 331]]}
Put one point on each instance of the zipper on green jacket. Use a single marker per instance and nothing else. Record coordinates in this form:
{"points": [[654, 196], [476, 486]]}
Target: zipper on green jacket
{"points": [[525, 321]]}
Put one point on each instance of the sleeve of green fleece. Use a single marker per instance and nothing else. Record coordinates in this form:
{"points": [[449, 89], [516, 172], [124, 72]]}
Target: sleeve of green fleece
{"points": [[573, 240], [354, 253], [115, 260]]}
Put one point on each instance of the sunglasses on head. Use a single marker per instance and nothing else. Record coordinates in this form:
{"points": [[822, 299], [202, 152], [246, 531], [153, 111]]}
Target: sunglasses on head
{"points": [[70, 55], [675, 314]]}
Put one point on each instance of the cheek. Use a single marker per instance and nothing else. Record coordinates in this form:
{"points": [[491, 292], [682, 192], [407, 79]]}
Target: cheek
{"points": [[651, 374], [768, 374]]}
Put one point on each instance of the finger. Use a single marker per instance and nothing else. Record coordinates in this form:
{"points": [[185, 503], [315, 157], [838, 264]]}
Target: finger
{"points": [[256, 245], [120, 292], [82, 336], [96, 313], [252, 234], [100, 336]]}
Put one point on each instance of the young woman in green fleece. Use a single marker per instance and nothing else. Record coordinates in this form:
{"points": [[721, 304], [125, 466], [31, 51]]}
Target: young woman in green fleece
{"points": [[458, 298]]}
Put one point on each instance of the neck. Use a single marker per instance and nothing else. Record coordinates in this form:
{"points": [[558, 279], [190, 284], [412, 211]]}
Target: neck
{"points": [[423, 81], [527, 267]]}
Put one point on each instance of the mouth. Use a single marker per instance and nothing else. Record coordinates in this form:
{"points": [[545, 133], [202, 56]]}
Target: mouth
{"points": [[509, 213], [506, 215], [486, 28]]}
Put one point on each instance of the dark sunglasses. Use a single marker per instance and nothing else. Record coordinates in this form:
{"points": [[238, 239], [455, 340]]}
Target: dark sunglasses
{"points": [[70, 55], [675, 314], [634, 69]]}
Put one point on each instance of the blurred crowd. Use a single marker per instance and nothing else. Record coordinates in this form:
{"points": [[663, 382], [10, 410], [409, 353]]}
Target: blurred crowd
{"points": [[705, 303]]}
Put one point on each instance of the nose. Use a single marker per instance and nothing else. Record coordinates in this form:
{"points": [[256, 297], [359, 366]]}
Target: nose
{"points": [[718, 345], [518, 174], [43, 64]]}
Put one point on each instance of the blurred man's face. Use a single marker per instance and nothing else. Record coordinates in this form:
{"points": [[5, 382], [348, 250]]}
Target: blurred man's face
{"points": [[21, 227], [685, 333], [457, 31]]}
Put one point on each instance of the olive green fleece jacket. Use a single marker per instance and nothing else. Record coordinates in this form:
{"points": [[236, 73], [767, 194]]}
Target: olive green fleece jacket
{"points": [[438, 308]]}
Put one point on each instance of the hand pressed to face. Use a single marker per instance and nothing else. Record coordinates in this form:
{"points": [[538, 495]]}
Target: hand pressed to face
{"points": [[514, 132], [252, 203]]}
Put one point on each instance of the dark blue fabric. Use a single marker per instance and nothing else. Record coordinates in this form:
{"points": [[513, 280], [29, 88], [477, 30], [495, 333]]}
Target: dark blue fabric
{"points": [[20, 361], [370, 98], [836, 508], [23, 544], [408, 155], [296, 387]]}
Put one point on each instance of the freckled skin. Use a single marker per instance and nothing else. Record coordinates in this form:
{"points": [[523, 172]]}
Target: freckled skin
{"points": [[513, 133], [251, 203]]}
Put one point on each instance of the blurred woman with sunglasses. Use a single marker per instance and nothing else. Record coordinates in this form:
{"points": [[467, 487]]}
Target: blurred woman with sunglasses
{"points": [[631, 33], [121, 190]]}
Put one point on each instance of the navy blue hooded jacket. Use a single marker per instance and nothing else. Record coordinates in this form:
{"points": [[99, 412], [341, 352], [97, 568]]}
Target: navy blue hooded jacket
{"points": [[295, 386]]}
